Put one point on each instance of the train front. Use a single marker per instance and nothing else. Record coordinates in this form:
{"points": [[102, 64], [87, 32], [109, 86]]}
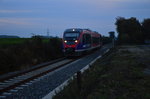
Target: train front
{"points": [[70, 41]]}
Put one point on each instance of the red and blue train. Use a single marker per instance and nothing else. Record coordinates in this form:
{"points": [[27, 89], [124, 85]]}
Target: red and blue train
{"points": [[77, 41]]}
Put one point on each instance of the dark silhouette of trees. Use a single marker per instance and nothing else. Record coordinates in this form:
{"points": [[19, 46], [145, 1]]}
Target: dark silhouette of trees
{"points": [[129, 31], [146, 28], [105, 40]]}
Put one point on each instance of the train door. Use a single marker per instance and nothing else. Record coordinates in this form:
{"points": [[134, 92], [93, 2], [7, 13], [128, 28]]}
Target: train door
{"points": [[86, 40]]}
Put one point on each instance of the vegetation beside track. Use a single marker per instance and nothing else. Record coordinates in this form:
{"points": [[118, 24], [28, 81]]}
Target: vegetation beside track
{"points": [[12, 41], [120, 74], [22, 53]]}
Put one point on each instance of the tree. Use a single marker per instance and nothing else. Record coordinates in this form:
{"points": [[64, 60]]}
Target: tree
{"points": [[129, 31], [120, 24], [146, 28]]}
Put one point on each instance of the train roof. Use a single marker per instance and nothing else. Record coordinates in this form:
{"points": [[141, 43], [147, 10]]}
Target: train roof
{"points": [[74, 30], [80, 30]]}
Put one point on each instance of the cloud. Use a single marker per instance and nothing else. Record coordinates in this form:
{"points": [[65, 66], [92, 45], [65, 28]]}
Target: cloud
{"points": [[12, 21], [15, 11], [18, 21]]}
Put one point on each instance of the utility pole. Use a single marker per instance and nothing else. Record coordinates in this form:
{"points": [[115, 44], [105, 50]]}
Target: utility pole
{"points": [[47, 32]]}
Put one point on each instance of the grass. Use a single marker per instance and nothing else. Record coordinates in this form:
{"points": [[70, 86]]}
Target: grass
{"points": [[118, 75], [12, 41], [6, 41]]}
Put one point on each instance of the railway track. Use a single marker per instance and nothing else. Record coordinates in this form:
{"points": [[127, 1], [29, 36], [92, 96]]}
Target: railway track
{"points": [[42, 79], [12, 83]]}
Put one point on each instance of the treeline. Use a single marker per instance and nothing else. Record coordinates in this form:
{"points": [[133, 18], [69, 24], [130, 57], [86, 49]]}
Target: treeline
{"points": [[106, 40], [131, 31], [33, 51]]}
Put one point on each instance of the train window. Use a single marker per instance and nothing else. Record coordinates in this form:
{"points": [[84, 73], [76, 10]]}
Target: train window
{"points": [[100, 39], [86, 39], [71, 36]]}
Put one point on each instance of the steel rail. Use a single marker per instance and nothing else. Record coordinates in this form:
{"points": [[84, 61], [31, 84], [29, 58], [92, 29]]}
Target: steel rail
{"points": [[6, 77], [23, 78]]}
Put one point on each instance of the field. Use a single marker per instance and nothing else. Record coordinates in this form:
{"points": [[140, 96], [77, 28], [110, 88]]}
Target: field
{"points": [[11, 41], [123, 73]]}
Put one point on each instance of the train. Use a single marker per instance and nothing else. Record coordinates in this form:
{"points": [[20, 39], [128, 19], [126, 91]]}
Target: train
{"points": [[77, 41]]}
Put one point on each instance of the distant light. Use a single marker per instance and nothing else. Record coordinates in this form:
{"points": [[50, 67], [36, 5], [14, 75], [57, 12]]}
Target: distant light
{"points": [[76, 41], [65, 41], [73, 29]]}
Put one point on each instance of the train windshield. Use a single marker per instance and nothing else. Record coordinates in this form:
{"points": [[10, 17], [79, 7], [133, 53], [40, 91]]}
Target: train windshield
{"points": [[71, 36]]}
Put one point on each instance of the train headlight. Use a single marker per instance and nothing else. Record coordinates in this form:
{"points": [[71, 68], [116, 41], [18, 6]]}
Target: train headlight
{"points": [[65, 41], [76, 41]]}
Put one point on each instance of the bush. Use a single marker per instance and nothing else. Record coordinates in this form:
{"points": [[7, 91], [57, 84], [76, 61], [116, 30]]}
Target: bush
{"points": [[31, 52]]}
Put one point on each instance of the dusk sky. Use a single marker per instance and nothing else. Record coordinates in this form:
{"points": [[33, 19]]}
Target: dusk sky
{"points": [[27, 17]]}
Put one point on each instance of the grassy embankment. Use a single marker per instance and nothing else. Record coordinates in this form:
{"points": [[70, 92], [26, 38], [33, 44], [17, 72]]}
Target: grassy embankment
{"points": [[22, 53], [118, 75]]}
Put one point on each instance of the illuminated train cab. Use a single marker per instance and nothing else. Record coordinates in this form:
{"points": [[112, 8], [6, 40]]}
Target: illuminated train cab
{"points": [[77, 41]]}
